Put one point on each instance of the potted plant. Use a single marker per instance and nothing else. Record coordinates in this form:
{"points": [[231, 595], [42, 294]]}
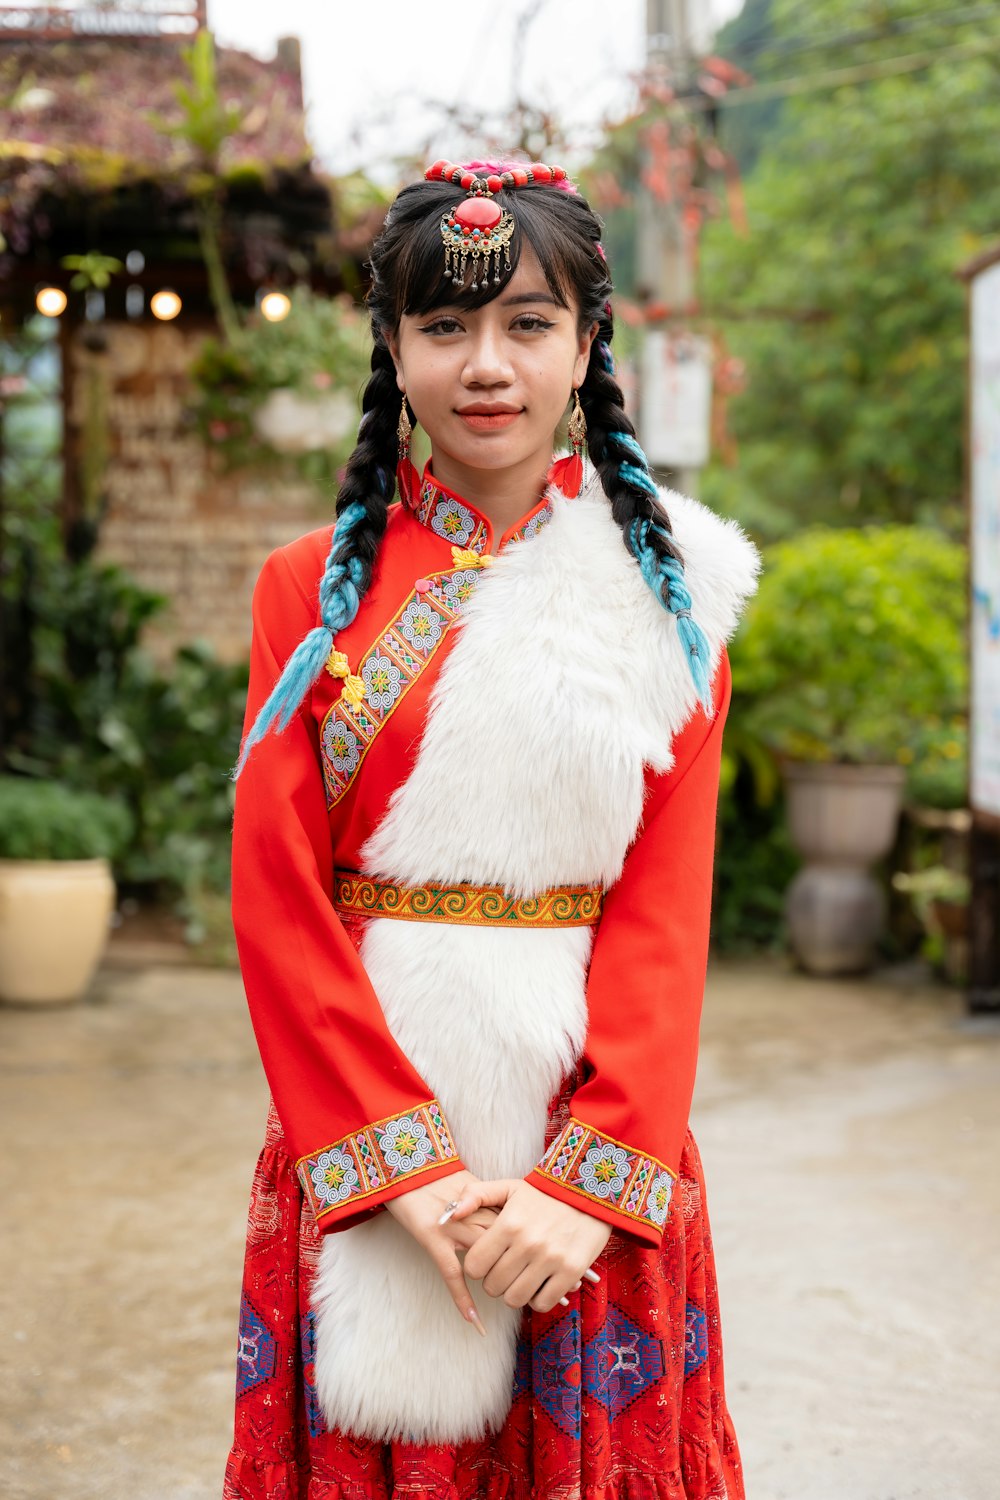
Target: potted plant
{"points": [[852, 644], [57, 890], [284, 392]]}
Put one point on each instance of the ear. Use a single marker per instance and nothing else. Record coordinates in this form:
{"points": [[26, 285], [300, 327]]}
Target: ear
{"points": [[583, 355], [392, 344]]}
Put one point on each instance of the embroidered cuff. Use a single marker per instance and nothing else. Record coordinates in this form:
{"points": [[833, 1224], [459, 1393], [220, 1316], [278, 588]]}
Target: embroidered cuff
{"points": [[610, 1176], [407, 1145]]}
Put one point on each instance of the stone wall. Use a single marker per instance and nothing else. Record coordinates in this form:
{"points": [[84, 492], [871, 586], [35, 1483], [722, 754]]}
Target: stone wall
{"points": [[175, 524]]}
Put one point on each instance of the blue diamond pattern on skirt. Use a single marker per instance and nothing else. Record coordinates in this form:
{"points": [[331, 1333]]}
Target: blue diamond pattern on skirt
{"points": [[616, 1365], [314, 1417], [620, 1362], [555, 1373], [695, 1339], [255, 1358]]}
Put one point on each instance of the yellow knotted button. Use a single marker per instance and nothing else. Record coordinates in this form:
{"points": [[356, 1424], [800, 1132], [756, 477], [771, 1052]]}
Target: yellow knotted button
{"points": [[353, 691], [464, 557]]}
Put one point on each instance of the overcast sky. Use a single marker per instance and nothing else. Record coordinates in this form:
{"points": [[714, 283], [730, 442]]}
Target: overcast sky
{"points": [[362, 61]]}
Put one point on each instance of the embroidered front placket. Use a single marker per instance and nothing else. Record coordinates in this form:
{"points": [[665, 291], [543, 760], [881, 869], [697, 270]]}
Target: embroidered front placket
{"points": [[414, 635]]}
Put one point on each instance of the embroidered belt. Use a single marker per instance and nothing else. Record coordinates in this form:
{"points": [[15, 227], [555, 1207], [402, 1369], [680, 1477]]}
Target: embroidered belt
{"points": [[473, 905]]}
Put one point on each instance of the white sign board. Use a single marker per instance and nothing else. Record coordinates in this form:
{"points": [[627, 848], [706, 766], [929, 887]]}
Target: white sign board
{"points": [[984, 532], [676, 399]]}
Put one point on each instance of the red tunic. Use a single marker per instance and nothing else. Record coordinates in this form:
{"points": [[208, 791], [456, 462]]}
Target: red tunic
{"points": [[315, 1013], [623, 1392]]}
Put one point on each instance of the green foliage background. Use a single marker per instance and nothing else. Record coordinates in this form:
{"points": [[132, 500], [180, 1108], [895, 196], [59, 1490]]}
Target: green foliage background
{"points": [[863, 202]]}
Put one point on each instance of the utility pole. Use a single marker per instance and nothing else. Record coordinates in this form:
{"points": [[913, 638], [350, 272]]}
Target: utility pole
{"points": [[664, 268]]}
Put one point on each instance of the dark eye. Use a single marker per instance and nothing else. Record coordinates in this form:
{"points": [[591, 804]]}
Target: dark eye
{"points": [[529, 322], [442, 325]]}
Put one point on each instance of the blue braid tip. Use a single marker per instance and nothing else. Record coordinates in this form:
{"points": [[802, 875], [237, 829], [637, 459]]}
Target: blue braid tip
{"points": [[297, 677]]}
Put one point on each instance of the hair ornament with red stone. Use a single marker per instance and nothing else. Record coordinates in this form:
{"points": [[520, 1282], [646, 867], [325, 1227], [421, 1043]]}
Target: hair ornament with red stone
{"points": [[477, 229]]}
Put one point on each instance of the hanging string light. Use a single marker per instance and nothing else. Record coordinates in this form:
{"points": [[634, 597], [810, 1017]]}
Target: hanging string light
{"points": [[165, 304], [50, 301], [275, 306]]}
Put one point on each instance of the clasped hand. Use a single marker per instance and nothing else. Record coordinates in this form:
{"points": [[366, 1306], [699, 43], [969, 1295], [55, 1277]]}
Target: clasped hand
{"points": [[525, 1246]]}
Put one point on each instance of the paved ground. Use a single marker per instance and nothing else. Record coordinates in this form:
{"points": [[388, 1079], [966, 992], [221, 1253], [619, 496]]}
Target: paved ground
{"points": [[849, 1132]]}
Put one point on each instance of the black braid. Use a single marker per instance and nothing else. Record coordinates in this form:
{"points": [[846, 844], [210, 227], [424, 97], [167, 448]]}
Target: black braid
{"points": [[370, 474], [604, 409]]}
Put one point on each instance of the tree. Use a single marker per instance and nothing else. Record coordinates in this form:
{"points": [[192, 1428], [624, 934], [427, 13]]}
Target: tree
{"points": [[843, 300]]}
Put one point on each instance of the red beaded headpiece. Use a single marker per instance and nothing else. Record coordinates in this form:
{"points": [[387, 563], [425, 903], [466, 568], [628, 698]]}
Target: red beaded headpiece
{"points": [[478, 227]]}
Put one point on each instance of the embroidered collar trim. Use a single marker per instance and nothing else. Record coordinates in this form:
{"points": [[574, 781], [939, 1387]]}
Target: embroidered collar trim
{"points": [[461, 523]]}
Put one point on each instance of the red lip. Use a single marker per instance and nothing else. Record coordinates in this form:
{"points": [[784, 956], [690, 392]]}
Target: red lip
{"points": [[486, 409], [489, 418]]}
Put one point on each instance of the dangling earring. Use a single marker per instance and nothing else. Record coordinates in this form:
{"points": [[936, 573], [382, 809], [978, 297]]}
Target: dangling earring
{"points": [[578, 439], [407, 478], [404, 431]]}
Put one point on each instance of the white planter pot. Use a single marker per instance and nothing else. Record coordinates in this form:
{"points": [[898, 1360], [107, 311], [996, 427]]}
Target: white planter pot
{"points": [[841, 819], [54, 920], [293, 423]]}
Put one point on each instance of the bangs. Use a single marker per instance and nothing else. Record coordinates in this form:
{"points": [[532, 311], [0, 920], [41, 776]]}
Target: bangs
{"points": [[420, 283]]}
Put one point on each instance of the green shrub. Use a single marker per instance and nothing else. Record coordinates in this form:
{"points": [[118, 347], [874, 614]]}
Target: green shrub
{"points": [[47, 820], [87, 707], [854, 643], [937, 759]]}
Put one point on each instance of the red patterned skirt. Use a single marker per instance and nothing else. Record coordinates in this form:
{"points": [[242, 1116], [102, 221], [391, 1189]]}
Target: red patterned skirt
{"points": [[617, 1397]]}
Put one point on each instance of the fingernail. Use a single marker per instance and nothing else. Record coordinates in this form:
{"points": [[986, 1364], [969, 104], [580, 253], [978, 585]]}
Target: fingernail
{"points": [[591, 1275], [447, 1215], [564, 1302], [476, 1320]]}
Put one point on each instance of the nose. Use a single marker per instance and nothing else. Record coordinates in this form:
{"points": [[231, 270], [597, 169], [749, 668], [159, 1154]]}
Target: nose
{"points": [[487, 359]]}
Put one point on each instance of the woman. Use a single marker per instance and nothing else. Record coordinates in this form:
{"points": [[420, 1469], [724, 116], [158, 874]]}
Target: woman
{"points": [[471, 890]]}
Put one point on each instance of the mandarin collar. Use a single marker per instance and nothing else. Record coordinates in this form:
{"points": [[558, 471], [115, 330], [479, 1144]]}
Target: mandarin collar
{"points": [[456, 520]]}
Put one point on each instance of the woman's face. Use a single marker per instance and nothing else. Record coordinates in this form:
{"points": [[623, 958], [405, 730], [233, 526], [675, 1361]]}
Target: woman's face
{"points": [[489, 386]]}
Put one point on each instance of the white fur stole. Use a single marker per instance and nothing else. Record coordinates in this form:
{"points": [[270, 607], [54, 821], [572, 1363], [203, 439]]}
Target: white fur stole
{"points": [[566, 678]]}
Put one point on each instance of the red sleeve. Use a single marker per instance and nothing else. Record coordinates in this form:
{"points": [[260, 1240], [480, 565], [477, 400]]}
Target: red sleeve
{"points": [[360, 1122], [619, 1153]]}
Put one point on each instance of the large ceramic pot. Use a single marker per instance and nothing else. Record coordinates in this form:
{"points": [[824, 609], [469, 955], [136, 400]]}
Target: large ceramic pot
{"points": [[54, 922], [842, 818]]}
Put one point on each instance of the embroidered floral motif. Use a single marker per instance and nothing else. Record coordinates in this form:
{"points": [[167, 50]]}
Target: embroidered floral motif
{"points": [[383, 682], [604, 1169], [534, 526], [341, 747], [405, 1144], [658, 1201], [365, 1162], [453, 520], [420, 625], [335, 1177], [459, 588]]}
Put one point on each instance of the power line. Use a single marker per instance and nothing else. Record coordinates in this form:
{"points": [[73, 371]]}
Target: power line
{"points": [[949, 18], [862, 73]]}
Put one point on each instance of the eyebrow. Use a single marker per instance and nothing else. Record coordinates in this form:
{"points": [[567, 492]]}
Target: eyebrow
{"points": [[530, 297]]}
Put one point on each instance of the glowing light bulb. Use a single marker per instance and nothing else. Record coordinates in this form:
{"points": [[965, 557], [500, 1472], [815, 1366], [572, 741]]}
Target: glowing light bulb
{"points": [[51, 301], [275, 306], [165, 305]]}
